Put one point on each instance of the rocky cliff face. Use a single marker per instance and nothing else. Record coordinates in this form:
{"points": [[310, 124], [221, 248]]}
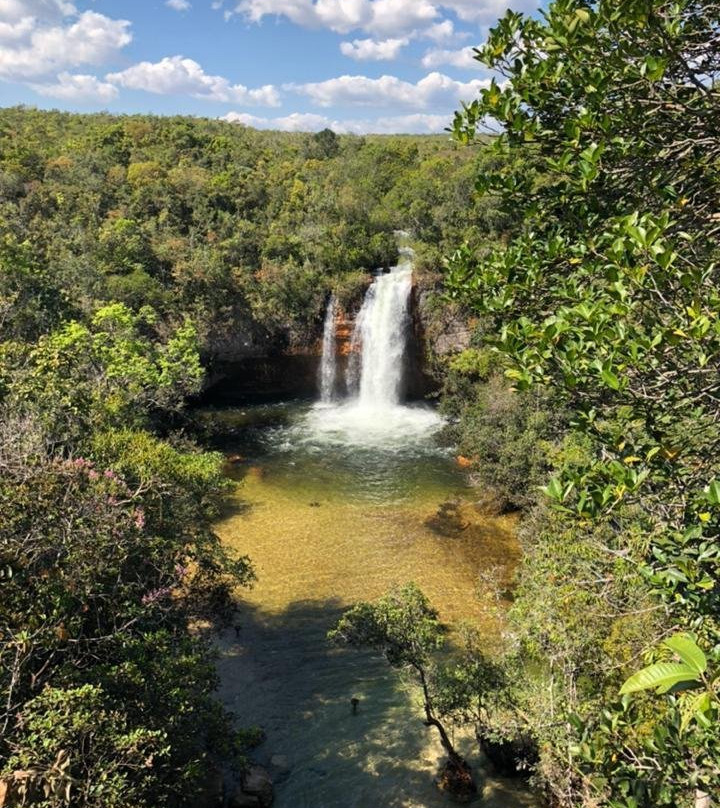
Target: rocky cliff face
{"points": [[245, 360], [446, 329]]}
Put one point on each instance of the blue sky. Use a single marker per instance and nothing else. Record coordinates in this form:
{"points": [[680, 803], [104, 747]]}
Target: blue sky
{"points": [[353, 65]]}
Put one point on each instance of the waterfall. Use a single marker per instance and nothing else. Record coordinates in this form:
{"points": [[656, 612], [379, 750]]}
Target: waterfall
{"points": [[328, 365], [373, 417], [381, 332]]}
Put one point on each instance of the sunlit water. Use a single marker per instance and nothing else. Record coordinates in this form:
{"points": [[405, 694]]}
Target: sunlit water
{"points": [[336, 504]]}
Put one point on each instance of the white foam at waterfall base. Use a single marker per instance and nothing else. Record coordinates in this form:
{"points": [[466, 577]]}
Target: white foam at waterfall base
{"points": [[390, 428]]}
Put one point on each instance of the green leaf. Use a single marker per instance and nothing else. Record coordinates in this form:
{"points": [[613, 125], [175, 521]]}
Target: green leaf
{"points": [[554, 489], [661, 675], [713, 492], [610, 379], [686, 648], [697, 707]]}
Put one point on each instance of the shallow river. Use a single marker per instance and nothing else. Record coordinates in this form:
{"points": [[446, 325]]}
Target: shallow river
{"points": [[333, 505]]}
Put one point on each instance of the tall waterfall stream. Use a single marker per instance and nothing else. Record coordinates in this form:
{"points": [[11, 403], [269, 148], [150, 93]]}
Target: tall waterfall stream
{"points": [[336, 502]]}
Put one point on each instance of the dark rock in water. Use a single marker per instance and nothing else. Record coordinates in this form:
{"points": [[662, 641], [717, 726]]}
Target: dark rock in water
{"points": [[314, 504], [457, 782], [257, 783], [280, 766], [242, 800], [449, 521]]}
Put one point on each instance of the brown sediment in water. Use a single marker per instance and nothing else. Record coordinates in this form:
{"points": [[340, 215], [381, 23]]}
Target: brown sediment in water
{"points": [[317, 550], [329, 549]]}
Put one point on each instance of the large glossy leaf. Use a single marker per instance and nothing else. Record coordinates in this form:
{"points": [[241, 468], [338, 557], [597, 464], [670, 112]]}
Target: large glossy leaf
{"points": [[687, 649], [661, 675]]}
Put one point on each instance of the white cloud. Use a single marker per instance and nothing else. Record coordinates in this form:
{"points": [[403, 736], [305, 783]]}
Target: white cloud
{"points": [[309, 122], [296, 122], [441, 31], [175, 75], [178, 5], [43, 10], [379, 17], [79, 88], [390, 91], [463, 59], [373, 50], [16, 31], [487, 10], [30, 49]]}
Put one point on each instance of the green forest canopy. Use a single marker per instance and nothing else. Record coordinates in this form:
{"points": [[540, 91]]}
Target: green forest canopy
{"points": [[584, 240]]}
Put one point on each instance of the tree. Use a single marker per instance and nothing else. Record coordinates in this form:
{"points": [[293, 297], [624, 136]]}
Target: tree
{"points": [[606, 294], [405, 628]]}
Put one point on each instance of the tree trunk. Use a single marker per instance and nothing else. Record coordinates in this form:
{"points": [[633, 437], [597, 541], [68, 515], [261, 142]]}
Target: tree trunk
{"points": [[432, 721]]}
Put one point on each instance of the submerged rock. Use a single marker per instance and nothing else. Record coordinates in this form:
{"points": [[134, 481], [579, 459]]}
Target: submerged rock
{"points": [[449, 520], [457, 782], [280, 762], [257, 783], [242, 800]]}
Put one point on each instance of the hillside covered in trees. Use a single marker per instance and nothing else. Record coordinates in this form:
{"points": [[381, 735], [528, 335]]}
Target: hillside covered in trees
{"points": [[228, 225], [577, 238]]}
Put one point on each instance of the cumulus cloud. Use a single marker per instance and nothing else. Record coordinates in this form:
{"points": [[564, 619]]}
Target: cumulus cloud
{"points": [[309, 122], [373, 50], [435, 89], [178, 5], [487, 10], [175, 75], [296, 122], [78, 87], [464, 58], [35, 46], [379, 17], [16, 31], [444, 32], [43, 10]]}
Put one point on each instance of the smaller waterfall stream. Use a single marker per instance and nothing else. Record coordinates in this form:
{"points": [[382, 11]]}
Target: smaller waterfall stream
{"points": [[328, 365]]}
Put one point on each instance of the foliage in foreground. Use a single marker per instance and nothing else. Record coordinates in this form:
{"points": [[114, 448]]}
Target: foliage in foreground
{"points": [[606, 296], [106, 555]]}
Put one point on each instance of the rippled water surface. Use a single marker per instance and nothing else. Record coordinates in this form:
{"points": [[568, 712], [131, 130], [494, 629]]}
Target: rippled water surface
{"points": [[336, 504]]}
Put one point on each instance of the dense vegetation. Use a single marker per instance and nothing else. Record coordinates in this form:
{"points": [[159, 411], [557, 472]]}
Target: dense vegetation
{"points": [[106, 556], [603, 306], [132, 249], [243, 231]]}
